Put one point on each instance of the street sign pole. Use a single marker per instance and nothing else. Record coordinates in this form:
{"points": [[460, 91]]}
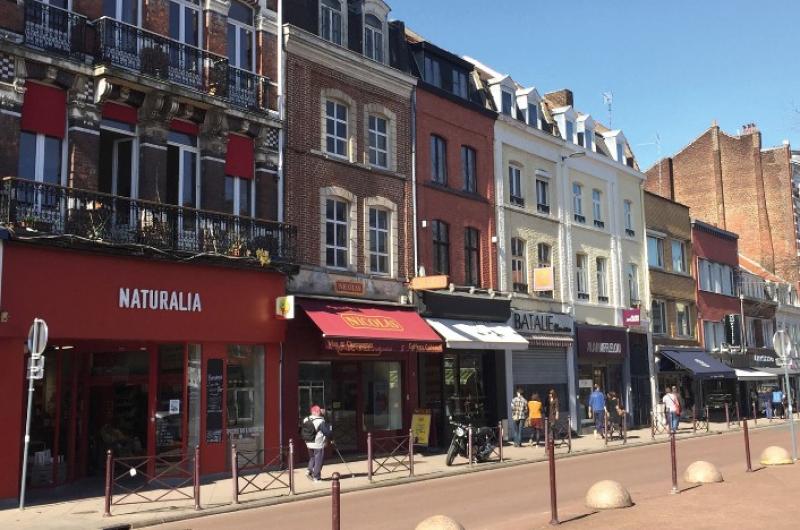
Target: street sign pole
{"points": [[783, 347], [27, 443], [37, 341]]}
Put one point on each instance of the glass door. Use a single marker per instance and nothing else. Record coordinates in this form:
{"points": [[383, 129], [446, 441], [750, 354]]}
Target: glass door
{"points": [[170, 403]]}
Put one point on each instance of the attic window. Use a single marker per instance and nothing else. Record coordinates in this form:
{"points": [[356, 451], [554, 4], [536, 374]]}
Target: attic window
{"points": [[460, 84], [533, 114], [570, 132], [620, 153], [506, 103], [331, 21], [373, 38]]}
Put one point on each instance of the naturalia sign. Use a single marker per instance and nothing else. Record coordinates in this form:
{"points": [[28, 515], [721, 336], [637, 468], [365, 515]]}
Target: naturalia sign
{"points": [[159, 300]]}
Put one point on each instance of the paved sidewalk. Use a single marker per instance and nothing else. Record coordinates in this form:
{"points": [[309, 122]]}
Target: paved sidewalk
{"points": [[216, 497]]}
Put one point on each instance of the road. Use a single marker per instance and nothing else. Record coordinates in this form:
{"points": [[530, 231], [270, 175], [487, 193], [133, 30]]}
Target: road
{"points": [[518, 497]]}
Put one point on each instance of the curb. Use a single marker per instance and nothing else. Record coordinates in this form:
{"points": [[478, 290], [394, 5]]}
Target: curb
{"points": [[285, 499]]}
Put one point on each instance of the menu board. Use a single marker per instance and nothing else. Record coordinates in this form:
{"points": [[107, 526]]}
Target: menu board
{"points": [[214, 394]]}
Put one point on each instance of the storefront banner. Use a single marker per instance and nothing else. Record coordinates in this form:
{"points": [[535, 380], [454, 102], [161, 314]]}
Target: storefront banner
{"points": [[376, 347], [530, 322], [602, 341], [464, 334], [699, 363], [631, 318]]}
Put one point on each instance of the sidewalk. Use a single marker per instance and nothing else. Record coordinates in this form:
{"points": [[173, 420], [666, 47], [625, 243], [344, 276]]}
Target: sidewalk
{"points": [[216, 497]]}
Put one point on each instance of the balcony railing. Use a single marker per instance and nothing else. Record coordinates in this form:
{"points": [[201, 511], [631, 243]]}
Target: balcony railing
{"points": [[154, 55], [36, 208], [54, 29], [247, 90]]}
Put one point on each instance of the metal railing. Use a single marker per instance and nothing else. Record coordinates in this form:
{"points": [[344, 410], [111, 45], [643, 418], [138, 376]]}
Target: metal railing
{"points": [[149, 479], [35, 208], [251, 472], [390, 454], [54, 29], [617, 427], [497, 447], [247, 89], [151, 54], [561, 430]]}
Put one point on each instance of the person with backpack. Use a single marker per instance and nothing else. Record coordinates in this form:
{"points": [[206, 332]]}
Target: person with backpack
{"points": [[315, 432], [519, 415]]}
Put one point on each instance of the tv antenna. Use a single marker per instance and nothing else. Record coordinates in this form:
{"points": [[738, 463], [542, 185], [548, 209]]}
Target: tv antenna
{"points": [[608, 98]]}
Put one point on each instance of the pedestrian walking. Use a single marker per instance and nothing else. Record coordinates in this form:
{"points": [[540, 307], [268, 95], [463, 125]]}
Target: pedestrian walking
{"points": [[614, 410], [535, 418], [519, 415], [777, 402], [315, 432], [551, 407], [672, 407], [597, 408]]}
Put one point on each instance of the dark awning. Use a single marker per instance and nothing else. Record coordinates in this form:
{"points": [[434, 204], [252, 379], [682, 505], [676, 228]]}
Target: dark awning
{"points": [[700, 363]]}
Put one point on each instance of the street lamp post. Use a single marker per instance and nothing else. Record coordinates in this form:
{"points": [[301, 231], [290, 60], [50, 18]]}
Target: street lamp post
{"points": [[783, 347]]}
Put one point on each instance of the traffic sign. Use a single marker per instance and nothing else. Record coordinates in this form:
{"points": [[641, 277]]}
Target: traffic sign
{"points": [[37, 337], [782, 344], [36, 367]]}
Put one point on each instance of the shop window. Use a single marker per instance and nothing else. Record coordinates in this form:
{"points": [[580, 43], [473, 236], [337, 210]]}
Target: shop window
{"points": [[194, 376], [239, 196], [245, 397], [472, 239], [383, 396], [441, 247]]}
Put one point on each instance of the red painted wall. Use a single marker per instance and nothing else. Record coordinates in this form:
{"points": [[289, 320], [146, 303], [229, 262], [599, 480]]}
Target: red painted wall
{"points": [[714, 247], [458, 125]]}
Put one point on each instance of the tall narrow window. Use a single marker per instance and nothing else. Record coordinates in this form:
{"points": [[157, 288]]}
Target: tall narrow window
{"points": [[542, 196], [336, 233], [543, 257], [39, 158], [678, 257], [238, 196], [438, 160], [602, 280], [373, 38], [581, 283], [519, 276], [506, 102], [472, 273], [683, 327], [655, 252], [659, 317], [460, 87], [533, 115], [433, 72], [182, 161], [378, 142], [335, 128], [468, 169], [185, 27], [378, 241], [122, 10], [441, 247], [515, 186], [330, 21], [577, 202], [597, 208], [620, 153], [627, 214], [570, 132], [633, 284], [241, 37]]}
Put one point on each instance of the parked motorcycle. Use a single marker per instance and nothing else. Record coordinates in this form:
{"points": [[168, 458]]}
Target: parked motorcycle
{"points": [[484, 442]]}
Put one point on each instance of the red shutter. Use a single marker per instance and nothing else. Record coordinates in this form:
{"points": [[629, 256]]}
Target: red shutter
{"points": [[123, 113], [44, 110], [240, 160], [185, 127]]}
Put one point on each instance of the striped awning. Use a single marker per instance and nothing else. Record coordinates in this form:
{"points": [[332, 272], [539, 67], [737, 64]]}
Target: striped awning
{"points": [[549, 341]]}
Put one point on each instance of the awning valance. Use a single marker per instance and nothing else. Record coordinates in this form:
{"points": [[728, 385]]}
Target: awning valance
{"points": [[549, 341], [469, 334], [778, 372], [700, 363], [364, 328], [754, 375]]}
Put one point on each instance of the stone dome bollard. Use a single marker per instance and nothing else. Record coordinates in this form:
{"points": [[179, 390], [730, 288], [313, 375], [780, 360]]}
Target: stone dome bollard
{"points": [[702, 472], [608, 495], [439, 522], [775, 456]]}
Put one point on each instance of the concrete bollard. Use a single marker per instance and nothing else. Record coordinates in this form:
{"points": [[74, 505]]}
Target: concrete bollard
{"points": [[702, 472], [608, 495], [439, 522], [775, 456]]}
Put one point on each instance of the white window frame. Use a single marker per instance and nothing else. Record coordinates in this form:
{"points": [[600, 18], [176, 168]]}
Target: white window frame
{"points": [[326, 11], [627, 209], [237, 192], [182, 148], [659, 252], [542, 193], [377, 51], [577, 198], [129, 136], [38, 170], [602, 279], [518, 261], [194, 6], [597, 205], [682, 247], [679, 331], [515, 183], [241, 26], [337, 121], [118, 10], [532, 112], [620, 153], [633, 284], [569, 131], [373, 231], [375, 134], [338, 222], [507, 97], [581, 279]]}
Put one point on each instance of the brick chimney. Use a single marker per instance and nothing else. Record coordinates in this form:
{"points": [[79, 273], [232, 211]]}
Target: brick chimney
{"points": [[559, 98]]}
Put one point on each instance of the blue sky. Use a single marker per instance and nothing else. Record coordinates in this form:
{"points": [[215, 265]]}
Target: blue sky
{"points": [[673, 65]]}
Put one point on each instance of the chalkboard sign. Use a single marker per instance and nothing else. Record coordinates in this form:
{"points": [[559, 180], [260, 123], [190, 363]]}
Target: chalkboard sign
{"points": [[214, 390]]}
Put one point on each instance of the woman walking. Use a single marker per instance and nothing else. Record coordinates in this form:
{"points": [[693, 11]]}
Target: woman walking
{"points": [[551, 407], [535, 418]]}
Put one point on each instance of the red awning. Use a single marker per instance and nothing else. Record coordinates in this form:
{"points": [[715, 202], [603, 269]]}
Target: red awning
{"points": [[240, 160], [364, 329], [123, 113], [44, 110]]}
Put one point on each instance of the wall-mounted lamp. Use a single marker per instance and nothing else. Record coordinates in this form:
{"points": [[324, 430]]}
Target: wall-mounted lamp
{"points": [[424, 223], [494, 239]]}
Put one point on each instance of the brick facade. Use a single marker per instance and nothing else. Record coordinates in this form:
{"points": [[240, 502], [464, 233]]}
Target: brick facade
{"points": [[721, 247], [731, 182], [459, 125]]}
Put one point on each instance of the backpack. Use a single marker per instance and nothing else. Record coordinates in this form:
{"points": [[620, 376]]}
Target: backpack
{"points": [[308, 431]]}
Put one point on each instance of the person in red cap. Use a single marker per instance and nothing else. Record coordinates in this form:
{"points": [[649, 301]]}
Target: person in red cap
{"points": [[315, 432]]}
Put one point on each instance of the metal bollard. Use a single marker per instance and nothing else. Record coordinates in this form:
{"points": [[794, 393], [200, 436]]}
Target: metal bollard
{"points": [[551, 456], [674, 462], [625, 429], [569, 434], [336, 514], [109, 485], [369, 456], [747, 446], [546, 431], [727, 415], [738, 418], [291, 466], [411, 452], [652, 424], [500, 436], [694, 419], [708, 420], [235, 474], [196, 477], [605, 428], [469, 444], [755, 414]]}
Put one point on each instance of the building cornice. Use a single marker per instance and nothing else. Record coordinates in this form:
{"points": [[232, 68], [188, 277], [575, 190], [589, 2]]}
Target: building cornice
{"points": [[313, 48]]}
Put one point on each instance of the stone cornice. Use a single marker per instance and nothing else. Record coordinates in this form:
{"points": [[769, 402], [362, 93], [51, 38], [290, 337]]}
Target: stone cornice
{"points": [[217, 6]]}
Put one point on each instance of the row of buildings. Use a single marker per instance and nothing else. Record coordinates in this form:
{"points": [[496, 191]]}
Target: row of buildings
{"points": [[173, 169]]}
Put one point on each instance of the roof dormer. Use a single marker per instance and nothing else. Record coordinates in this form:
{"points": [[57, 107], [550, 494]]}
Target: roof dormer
{"points": [[617, 145], [375, 41], [503, 92], [565, 118], [528, 100], [586, 132]]}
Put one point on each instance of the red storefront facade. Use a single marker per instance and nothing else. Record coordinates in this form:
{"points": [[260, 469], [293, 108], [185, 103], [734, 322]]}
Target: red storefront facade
{"points": [[145, 357]]}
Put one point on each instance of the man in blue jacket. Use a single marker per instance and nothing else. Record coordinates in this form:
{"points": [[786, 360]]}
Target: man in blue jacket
{"points": [[597, 404]]}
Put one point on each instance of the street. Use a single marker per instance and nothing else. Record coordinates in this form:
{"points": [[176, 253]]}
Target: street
{"points": [[518, 497]]}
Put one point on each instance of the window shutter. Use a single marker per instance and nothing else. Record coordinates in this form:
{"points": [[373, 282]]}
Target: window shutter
{"points": [[240, 159], [44, 110]]}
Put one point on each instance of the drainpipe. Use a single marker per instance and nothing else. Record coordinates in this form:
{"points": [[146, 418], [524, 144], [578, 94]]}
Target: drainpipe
{"points": [[414, 178], [281, 111]]}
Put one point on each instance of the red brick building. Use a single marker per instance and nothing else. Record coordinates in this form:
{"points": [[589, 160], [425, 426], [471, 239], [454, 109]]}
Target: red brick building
{"points": [[731, 182], [455, 191]]}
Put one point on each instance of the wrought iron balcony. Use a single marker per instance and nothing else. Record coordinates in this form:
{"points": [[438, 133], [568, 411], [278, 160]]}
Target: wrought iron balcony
{"points": [[120, 44], [247, 90], [35, 209], [54, 29]]}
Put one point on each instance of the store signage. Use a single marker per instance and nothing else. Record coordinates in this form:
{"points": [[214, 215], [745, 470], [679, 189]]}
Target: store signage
{"points": [[214, 402], [158, 300], [604, 347], [536, 322], [369, 347], [585, 383], [421, 426], [382, 323], [594, 340], [348, 287], [543, 279], [284, 307], [733, 330], [424, 283], [631, 318]]}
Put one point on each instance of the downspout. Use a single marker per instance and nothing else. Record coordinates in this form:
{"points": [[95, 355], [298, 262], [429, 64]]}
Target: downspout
{"points": [[414, 178], [280, 398], [281, 111]]}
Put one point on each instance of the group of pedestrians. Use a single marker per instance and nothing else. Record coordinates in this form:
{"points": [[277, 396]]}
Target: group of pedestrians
{"points": [[532, 413], [602, 406]]}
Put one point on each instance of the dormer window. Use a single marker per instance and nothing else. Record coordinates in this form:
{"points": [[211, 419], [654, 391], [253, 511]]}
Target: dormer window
{"points": [[533, 115], [620, 153], [330, 21], [460, 84], [373, 38], [433, 72], [570, 131], [506, 103]]}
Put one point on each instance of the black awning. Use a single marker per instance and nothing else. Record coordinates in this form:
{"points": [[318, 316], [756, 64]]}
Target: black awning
{"points": [[700, 363]]}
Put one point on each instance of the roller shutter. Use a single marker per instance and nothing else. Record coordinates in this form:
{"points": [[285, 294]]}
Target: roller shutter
{"points": [[540, 366]]}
